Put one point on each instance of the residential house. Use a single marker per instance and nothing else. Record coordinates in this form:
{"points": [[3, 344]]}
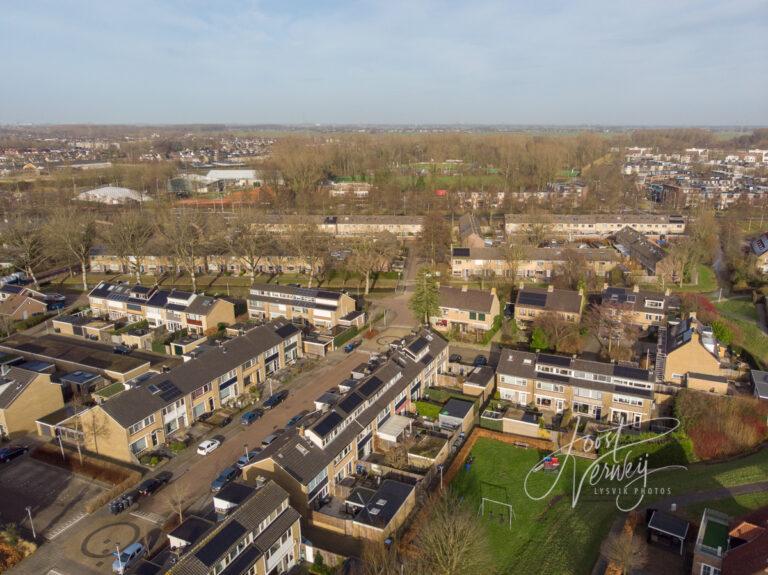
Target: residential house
{"points": [[466, 310], [158, 264], [688, 353], [643, 253], [610, 392], [359, 190], [759, 247], [85, 326], [531, 302], [711, 543], [25, 396], [539, 264], [747, 552], [174, 309], [639, 307], [313, 461], [596, 225], [344, 226], [321, 308], [20, 303], [152, 409], [259, 533]]}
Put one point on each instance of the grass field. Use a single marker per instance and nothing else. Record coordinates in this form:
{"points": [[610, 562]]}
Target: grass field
{"points": [[550, 536], [547, 536], [733, 506], [743, 313]]}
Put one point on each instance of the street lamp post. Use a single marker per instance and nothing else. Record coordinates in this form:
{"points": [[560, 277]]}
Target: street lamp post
{"points": [[119, 561], [31, 524], [245, 447]]}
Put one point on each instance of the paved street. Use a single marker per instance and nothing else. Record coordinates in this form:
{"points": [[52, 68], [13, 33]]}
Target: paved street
{"points": [[85, 547]]}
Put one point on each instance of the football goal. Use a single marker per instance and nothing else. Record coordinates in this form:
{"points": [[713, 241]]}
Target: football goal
{"points": [[494, 510]]}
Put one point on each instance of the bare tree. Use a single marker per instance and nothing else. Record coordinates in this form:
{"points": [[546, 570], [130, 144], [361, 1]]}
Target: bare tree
{"points": [[177, 495], [249, 246], [435, 239], [372, 253], [626, 551], [453, 541], [95, 425], [25, 241], [186, 236], [563, 335], [71, 233], [128, 237], [377, 559], [611, 325], [309, 244]]}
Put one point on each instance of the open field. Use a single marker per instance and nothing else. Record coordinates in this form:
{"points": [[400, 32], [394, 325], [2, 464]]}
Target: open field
{"points": [[734, 506], [550, 536], [742, 312]]}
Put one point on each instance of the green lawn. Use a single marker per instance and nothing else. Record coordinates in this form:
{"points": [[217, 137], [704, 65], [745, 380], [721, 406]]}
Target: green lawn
{"points": [[427, 409], [743, 313], [707, 282], [738, 309], [549, 536]]}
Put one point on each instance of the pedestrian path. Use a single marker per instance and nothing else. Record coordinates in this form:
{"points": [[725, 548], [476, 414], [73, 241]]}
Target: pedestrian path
{"points": [[54, 531]]}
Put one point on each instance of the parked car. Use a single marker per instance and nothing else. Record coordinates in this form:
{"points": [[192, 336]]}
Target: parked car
{"points": [[243, 460], [149, 486], [350, 347], [226, 420], [225, 477], [480, 360], [8, 454], [205, 416], [208, 446], [276, 399], [250, 416], [455, 358], [269, 439], [128, 557], [122, 349], [296, 418]]}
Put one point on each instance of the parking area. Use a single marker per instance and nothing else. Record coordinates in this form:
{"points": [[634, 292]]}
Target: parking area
{"points": [[55, 495]]}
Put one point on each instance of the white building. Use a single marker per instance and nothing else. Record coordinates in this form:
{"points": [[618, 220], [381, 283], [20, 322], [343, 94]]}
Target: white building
{"points": [[112, 195]]}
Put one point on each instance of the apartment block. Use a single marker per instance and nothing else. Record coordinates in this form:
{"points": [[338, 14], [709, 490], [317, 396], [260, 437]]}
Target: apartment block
{"points": [[643, 253], [602, 391], [531, 302], [315, 461], [321, 308], [466, 310], [539, 264], [595, 225], [155, 407], [258, 533], [344, 226], [174, 309]]}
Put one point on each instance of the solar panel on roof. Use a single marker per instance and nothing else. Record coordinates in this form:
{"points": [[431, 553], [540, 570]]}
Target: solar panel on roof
{"points": [[417, 345], [529, 298], [327, 424], [554, 359], [371, 386], [631, 372], [351, 402], [219, 543], [461, 252]]}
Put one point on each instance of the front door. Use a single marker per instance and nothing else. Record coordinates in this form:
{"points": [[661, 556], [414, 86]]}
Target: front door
{"points": [[211, 405], [560, 405], [155, 440]]}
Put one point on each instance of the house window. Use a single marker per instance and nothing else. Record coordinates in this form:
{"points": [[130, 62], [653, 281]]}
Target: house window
{"points": [[709, 570], [472, 315], [139, 445], [481, 316]]}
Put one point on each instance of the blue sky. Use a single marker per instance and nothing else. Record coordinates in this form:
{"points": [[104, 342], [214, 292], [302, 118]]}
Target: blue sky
{"points": [[672, 62]]}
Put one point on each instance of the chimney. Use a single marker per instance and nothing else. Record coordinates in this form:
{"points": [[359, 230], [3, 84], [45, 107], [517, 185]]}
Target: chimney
{"points": [[636, 288], [493, 290], [464, 288], [300, 429], [667, 292], [692, 315], [605, 286], [581, 292], [550, 288], [522, 285]]}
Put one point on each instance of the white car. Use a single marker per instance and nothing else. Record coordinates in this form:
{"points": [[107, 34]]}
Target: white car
{"points": [[207, 446]]}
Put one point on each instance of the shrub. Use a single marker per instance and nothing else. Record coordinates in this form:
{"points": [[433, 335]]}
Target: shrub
{"points": [[539, 339], [721, 426], [177, 446], [722, 332]]}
